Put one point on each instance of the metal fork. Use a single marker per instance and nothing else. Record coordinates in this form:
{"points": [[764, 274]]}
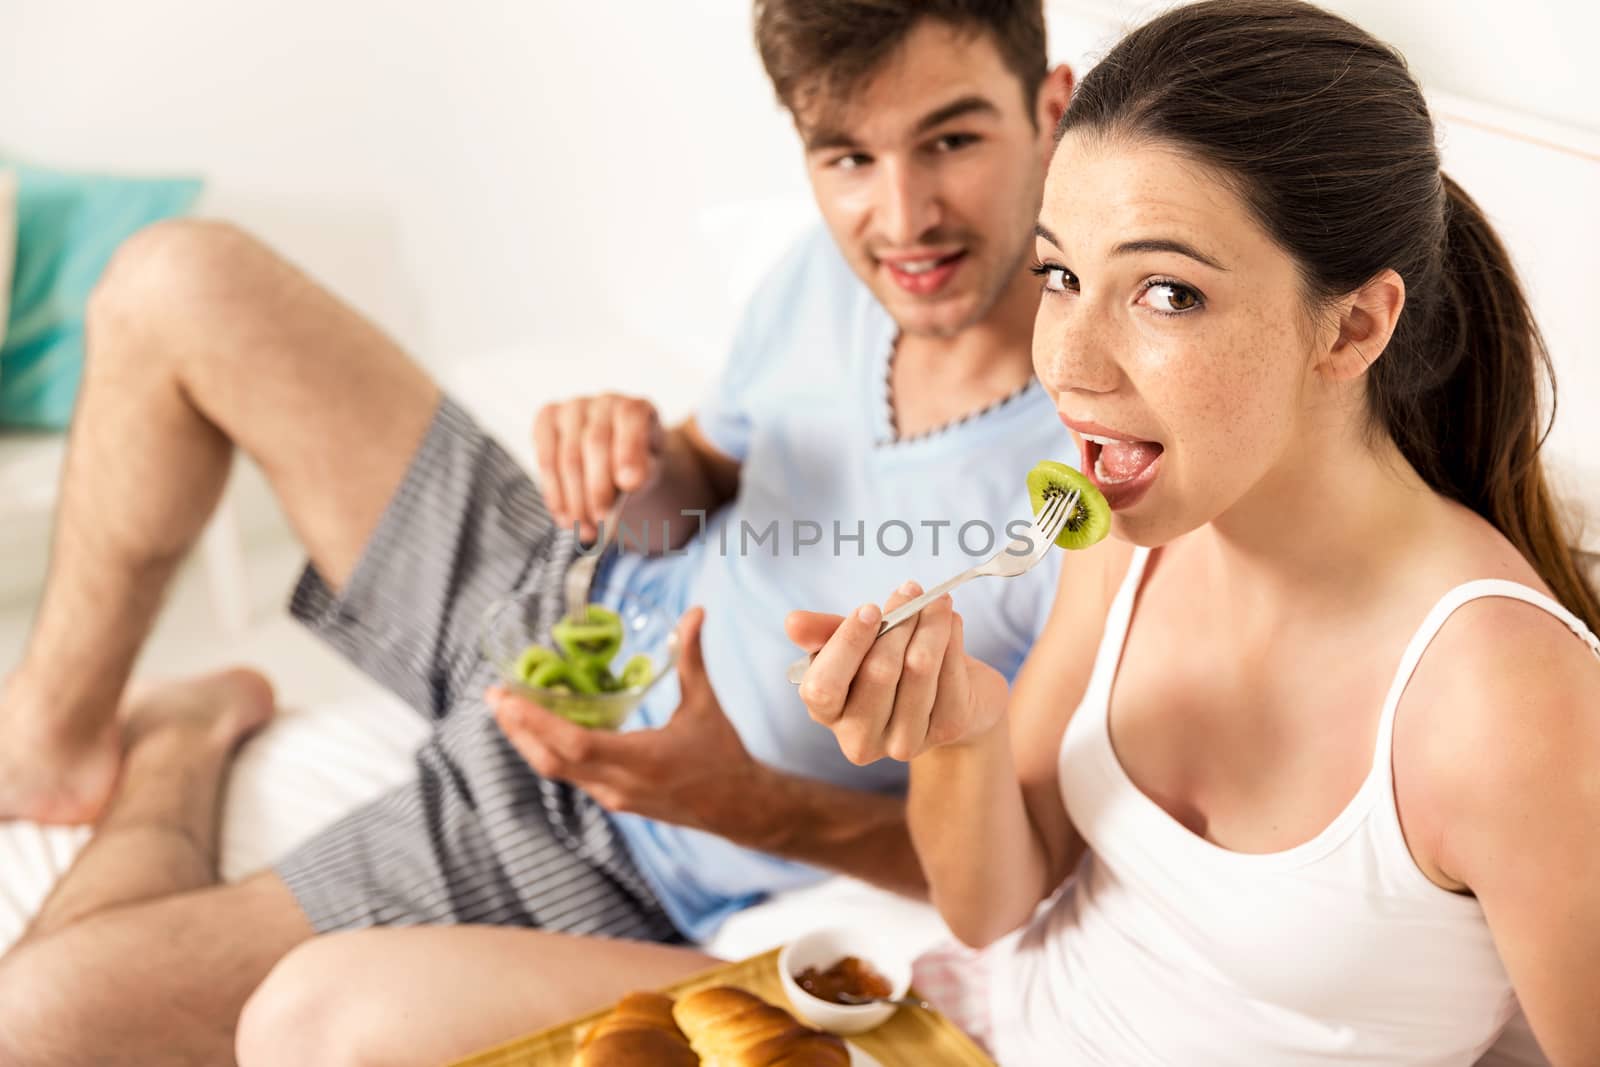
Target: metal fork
{"points": [[580, 575], [1016, 558]]}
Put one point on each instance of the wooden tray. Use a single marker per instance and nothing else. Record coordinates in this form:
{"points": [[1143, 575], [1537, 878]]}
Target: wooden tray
{"points": [[911, 1038]]}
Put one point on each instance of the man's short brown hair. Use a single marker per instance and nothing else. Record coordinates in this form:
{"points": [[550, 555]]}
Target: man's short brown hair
{"points": [[825, 47]]}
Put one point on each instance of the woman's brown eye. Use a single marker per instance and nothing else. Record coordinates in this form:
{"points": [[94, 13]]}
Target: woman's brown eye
{"points": [[1171, 299]]}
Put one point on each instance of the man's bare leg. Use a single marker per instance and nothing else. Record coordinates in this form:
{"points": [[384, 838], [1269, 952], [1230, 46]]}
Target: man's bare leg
{"points": [[139, 957], [199, 340], [394, 996]]}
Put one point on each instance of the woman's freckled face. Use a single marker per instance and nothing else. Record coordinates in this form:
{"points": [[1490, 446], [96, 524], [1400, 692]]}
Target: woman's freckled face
{"points": [[1208, 359]]}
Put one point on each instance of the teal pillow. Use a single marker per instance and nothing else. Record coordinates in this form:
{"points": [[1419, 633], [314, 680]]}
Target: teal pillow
{"points": [[68, 225]]}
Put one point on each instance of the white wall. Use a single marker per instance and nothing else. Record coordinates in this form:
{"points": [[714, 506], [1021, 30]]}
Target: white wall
{"points": [[597, 182], [487, 172], [1532, 57], [474, 174]]}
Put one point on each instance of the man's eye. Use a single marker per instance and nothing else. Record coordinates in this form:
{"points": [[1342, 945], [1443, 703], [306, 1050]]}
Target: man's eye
{"points": [[1170, 298], [851, 161], [951, 142]]}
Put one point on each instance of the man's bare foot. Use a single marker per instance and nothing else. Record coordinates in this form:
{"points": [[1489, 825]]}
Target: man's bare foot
{"points": [[45, 775], [218, 711], [62, 781]]}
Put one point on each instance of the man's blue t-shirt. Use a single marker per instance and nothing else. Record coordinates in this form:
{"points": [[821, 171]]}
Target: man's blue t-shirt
{"points": [[803, 405]]}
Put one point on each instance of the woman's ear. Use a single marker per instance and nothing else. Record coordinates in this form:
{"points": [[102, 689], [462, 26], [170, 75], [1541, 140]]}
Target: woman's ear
{"points": [[1055, 93], [1366, 320]]}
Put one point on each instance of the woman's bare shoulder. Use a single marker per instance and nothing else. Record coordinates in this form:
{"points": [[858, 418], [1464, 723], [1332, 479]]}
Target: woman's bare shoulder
{"points": [[1503, 708]]}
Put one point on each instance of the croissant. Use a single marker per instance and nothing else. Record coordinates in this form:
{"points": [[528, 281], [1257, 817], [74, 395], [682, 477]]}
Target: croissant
{"points": [[638, 1032], [731, 1028]]}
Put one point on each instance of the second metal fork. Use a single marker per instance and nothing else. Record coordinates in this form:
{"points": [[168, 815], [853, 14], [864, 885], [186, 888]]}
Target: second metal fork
{"points": [[580, 574], [1016, 558]]}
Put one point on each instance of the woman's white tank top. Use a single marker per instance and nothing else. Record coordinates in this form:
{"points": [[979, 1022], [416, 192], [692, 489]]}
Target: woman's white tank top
{"points": [[1169, 950]]}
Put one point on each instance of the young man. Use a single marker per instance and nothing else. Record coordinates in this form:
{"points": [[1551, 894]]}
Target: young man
{"points": [[879, 399]]}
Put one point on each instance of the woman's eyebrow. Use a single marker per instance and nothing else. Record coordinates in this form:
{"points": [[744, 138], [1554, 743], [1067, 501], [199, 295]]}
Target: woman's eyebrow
{"points": [[1165, 244], [1147, 244]]}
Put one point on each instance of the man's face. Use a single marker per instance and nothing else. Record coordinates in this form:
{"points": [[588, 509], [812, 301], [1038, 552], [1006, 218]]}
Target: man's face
{"points": [[929, 175]]}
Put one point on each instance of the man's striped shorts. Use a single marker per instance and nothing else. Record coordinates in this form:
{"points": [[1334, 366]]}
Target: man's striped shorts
{"points": [[476, 836]]}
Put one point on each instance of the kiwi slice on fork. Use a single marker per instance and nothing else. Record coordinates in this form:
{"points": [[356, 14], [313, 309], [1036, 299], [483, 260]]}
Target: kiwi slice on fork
{"points": [[1091, 515]]}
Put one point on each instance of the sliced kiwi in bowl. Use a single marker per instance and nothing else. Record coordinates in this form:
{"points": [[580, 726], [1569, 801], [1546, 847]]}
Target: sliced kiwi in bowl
{"points": [[636, 672], [587, 669], [593, 639], [589, 677], [1090, 520], [535, 662], [548, 672]]}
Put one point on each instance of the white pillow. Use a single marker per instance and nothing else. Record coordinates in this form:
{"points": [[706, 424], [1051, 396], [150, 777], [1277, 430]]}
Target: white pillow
{"points": [[8, 243]]}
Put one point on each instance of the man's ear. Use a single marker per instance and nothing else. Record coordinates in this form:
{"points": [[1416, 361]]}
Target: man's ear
{"points": [[1055, 93], [1365, 322]]}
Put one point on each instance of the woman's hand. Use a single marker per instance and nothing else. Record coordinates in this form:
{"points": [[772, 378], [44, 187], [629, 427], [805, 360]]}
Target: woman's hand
{"points": [[900, 695]]}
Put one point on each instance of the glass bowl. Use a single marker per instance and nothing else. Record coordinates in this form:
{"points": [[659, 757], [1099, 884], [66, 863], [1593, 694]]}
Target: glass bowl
{"points": [[509, 628]]}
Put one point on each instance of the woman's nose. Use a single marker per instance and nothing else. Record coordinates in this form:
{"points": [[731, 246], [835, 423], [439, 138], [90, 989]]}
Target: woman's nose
{"points": [[1071, 354]]}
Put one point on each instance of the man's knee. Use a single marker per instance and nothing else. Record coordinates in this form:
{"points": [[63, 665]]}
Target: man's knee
{"points": [[305, 1011], [38, 1014], [175, 267]]}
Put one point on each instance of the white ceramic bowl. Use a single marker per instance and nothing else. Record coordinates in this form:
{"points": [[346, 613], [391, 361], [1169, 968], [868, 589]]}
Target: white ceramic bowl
{"points": [[822, 949]]}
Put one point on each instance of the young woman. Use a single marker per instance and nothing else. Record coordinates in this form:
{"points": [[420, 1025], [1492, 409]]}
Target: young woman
{"points": [[1318, 729]]}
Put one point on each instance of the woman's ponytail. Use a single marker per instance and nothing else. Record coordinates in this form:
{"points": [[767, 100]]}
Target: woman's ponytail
{"points": [[1476, 435]]}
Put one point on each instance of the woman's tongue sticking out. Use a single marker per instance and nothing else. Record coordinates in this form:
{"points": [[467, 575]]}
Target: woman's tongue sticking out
{"points": [[1122, 461]]}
